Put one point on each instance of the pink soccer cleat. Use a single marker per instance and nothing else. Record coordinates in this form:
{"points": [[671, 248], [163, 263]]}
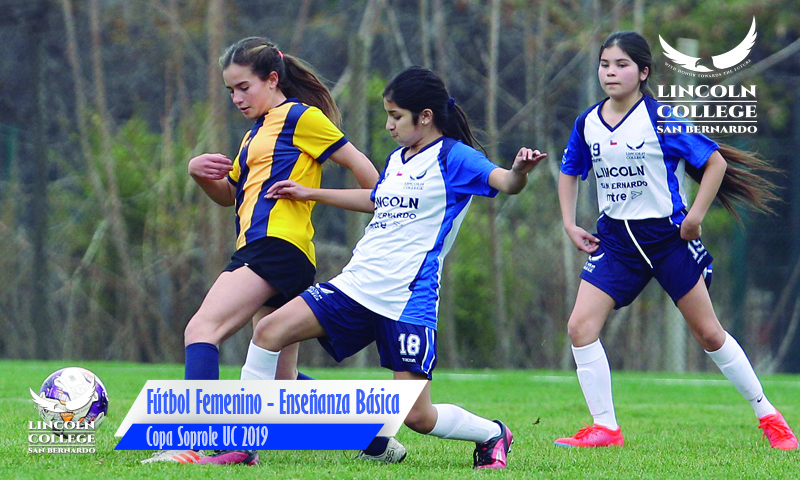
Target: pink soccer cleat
{"points": [[594, 436], [777, 431], [494, 452], [175, 456], [231, 457]]}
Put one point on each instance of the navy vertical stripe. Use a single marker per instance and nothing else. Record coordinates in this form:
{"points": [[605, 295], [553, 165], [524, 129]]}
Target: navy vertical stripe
{"points": [[244, 170], [284, 159]]}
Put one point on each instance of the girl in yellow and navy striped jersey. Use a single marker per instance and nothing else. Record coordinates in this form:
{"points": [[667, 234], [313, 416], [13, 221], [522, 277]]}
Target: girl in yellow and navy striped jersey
{"points": [[294, 132]]}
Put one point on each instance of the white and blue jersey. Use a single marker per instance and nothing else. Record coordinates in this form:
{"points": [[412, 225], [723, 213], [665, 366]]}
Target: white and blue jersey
{"points": [[639, 172], [642, 202], [419, 206]]}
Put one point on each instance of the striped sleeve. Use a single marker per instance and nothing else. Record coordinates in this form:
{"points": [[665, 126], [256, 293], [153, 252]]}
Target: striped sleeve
{"points": [[317, 135]]}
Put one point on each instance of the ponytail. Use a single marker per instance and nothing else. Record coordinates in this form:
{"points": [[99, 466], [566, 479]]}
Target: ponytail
{"points": [[302, 83], [741, 184], [295, 77], [458, 127]]}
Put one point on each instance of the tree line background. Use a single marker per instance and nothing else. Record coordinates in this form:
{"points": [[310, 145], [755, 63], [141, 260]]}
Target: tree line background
{"points": [[108, 246]]}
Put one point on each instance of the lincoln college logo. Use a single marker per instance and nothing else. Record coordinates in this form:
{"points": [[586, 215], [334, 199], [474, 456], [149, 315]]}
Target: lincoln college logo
{"points": [[719, 63]]}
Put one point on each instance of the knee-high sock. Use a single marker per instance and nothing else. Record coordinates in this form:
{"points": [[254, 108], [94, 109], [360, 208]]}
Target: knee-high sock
{"points": [[202, 362], [594, 375], [261, 364], [455, 423], [732, 361]]}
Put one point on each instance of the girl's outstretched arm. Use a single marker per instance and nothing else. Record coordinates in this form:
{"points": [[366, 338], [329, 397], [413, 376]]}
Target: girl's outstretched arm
{"points": [[349, 199], [514, 180]]}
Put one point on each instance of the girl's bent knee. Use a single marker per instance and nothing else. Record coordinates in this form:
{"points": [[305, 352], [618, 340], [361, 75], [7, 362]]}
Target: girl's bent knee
{"points": [[195, 332], [268, 338], [420, 422], [711, 341], [580, 333]]}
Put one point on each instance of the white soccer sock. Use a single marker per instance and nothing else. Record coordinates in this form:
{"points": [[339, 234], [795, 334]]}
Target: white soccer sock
{"points": [[594, 375], [261, 364], [732, 361], [455, 423]]}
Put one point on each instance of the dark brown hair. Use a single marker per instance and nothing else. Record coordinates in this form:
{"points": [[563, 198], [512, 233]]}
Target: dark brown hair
{"points": [[416, 89], [741, 183], [295, 77]]}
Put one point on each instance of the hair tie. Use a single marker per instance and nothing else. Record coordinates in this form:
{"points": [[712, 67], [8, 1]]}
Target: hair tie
{"points": [[280, 54], [451, 104]]}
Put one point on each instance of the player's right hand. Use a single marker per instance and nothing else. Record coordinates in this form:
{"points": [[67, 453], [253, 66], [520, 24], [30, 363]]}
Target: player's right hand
{"points": [[583, 240], [210, 166]]}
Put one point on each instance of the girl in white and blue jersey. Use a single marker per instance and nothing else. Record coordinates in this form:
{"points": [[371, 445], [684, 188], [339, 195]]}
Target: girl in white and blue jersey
{"points": [[389, 292], [646, 229]]}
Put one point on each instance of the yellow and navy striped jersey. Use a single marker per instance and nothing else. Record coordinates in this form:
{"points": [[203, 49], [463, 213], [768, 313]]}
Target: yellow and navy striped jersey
{"points": [[290, 142]]}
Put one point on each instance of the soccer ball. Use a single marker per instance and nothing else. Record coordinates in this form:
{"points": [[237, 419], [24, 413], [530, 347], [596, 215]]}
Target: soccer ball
{"points": [[72, 394]]}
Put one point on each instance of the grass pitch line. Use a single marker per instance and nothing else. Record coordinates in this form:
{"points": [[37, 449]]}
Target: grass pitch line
{"points": [[715, 382]]}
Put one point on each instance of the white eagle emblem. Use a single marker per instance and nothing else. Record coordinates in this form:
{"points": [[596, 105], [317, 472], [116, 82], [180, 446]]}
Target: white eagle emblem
{"points": [[721, 62]]}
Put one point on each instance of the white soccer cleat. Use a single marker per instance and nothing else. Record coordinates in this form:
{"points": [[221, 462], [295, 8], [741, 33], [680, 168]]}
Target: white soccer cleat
{"points": [[395, 453], [175, 456]]}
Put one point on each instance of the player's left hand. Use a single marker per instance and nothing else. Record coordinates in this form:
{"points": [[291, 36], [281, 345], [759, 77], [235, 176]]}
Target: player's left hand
{"points": [[527, 159], [691, 228]]}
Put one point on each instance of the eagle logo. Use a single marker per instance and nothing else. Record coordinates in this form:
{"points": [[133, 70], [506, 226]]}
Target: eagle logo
{"points": [[53, 405], [636, 147], [418, 177], [724, 61]]}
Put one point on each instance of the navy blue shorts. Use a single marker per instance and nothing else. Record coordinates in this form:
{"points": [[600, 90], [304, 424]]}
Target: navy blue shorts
{"points": [[278, 262], [349, 327], [634, 251]]}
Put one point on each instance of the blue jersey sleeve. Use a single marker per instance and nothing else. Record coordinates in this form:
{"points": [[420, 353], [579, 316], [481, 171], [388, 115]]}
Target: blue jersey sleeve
{"points": [[468, 170], [695, 148], [577, 159]]}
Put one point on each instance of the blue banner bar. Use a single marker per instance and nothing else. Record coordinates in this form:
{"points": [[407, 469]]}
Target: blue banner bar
{"points": [[248, 436]]}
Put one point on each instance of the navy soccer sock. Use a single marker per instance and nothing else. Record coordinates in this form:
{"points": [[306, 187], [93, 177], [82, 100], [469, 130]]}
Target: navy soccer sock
{"points": [[202, 362], [303, 376], [377, 446]]}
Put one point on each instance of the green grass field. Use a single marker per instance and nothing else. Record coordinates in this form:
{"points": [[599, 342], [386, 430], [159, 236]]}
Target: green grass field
{"points": [[687, 427]]}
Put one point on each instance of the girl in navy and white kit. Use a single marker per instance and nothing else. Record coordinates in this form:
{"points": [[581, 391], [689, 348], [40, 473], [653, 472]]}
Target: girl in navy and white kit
{"points": [[389, 292], [646, 229]]}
